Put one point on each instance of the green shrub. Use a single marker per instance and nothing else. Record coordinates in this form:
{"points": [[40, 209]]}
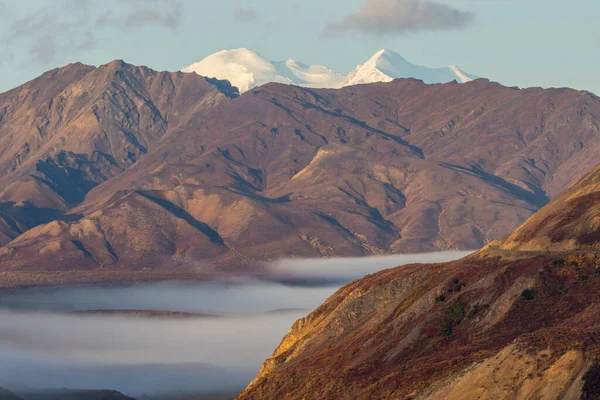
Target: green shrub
{"points": [[474, 311], [591, 385], [529, 294], [456, 311], [563, 290], [456, 286], [447, 327], [454, 316]]}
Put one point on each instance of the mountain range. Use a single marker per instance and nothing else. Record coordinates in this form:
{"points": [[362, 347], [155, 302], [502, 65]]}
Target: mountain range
{"points": [[120, 172], [245, 69]]}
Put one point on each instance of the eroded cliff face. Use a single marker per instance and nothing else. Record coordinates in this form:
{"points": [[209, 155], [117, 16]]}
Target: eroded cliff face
{"points": [[481, 327]]}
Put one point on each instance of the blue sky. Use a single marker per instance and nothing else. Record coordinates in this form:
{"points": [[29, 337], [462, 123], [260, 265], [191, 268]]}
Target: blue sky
{"points": [[547, 43]]}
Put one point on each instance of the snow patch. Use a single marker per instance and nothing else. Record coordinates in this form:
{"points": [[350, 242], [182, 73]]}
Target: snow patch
{"points": [[246, 69], [387, 65]]}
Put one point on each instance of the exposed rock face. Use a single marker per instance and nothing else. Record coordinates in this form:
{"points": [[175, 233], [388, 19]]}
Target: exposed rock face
{"points": [[75, 127], [286, 171], [500, 324]]}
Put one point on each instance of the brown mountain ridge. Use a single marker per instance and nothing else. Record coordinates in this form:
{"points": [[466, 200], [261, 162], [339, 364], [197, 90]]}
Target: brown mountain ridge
{"points": [[74, 127], [197, 179]]}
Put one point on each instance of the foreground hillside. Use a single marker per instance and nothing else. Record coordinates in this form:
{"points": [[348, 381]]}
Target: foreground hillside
{"points": [[477, 328], [500, 324], [284, 171]]}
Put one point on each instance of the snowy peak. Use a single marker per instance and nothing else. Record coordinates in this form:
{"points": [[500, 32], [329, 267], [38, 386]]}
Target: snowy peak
{"points": [[242, 67], [246, 69], [462, 76], [387, 65]]}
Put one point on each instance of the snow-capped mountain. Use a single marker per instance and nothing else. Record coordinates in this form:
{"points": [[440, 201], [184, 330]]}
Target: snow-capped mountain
{"points": [[246, 69], [387, 65]]}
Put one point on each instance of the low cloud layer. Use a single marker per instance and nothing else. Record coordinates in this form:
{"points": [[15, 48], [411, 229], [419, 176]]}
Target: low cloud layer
{"points": [[247, 296], [388, 17], [136, 355], [44, 344], [346, 269], [51, 32], [286, 284]]}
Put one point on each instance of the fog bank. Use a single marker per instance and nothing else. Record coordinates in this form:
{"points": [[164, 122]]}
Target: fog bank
{"points": [[44, 345], [346, 269], [136, 355]]}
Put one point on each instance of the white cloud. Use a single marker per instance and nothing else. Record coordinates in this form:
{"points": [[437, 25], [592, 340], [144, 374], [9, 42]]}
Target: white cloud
{"points": [[400, 17]]}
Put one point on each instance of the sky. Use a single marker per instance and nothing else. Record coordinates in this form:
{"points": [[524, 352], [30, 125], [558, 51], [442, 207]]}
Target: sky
{"points": [[548, 43]]}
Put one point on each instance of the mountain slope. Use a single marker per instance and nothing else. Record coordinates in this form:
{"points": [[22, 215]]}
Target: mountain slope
{"points": [[387, 65], [499, 324], [284, 171], [75, 127], [475, 328], [569, 223], [245, 69]]}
